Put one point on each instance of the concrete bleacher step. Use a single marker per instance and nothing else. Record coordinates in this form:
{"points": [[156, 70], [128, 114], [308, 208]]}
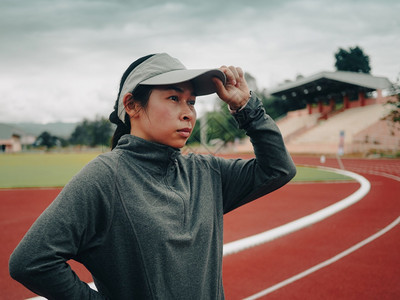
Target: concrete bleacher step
{"points": [[294, 125], [350, 121], [304, 133]]}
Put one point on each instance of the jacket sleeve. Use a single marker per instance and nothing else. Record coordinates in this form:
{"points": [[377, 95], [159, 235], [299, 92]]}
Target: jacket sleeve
{"points": [[246, 180], [65, 230]]}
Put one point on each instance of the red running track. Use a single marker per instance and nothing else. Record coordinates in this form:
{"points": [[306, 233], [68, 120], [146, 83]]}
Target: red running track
{"points": [[372, 272], [19, 209]]}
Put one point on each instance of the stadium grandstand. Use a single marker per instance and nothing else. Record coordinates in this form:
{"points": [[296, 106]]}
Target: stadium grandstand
{"points": [[344, 114]]}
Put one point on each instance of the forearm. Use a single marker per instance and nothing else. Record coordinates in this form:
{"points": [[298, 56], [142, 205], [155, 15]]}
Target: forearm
{"points": [[42, 267], [271, 169], [57, 282], [269, 148]]}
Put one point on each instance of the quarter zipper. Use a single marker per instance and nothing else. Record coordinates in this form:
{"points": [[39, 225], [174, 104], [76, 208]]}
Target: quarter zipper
{"points": [[171, 171]]}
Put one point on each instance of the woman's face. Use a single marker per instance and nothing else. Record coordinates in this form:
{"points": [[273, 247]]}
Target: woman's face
{"points": [[169, 116]]}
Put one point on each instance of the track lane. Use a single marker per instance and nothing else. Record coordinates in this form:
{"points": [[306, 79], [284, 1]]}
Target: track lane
{"points": [[19, 209], [287, 204], [256, 269], [26, 204], [355, 275], [388, 261]]}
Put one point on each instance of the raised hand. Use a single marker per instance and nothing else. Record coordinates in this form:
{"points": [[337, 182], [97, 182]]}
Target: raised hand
{"points": [[235, 92]]}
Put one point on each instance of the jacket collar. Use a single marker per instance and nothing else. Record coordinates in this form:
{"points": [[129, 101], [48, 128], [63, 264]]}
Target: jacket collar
{"points": [[148, 154]]}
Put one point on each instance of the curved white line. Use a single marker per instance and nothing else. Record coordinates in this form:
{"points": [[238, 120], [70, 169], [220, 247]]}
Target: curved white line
{"points": [[325, 263], [383, 174], [261, 238]]}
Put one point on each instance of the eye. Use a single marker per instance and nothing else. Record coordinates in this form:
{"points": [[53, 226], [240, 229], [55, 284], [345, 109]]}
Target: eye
{"points": [[191, 102], [174, 98]]}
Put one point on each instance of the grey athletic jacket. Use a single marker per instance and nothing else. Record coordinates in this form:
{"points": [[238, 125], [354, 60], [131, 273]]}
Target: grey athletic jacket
{"points": [[146, 221]]}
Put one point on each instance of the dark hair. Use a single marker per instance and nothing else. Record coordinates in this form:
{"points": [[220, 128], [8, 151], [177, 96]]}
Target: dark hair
{"points": [[140, 94]]}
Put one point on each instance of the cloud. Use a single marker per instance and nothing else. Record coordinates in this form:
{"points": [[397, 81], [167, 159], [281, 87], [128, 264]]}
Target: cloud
{"points": [[62, 60]]}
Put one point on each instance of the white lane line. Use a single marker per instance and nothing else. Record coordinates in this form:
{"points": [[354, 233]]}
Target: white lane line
{"points": [[266, 236], [325, 263], [383, 174]]}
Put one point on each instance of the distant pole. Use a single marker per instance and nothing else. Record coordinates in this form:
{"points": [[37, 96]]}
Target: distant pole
{"points": [[203, 130], [341, 143]]}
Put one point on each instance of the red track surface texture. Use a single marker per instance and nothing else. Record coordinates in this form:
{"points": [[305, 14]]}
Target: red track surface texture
{"points": [[370, 272]]}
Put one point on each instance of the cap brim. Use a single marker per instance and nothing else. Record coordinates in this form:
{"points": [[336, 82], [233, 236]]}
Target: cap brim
{"points": [[202, 79]]}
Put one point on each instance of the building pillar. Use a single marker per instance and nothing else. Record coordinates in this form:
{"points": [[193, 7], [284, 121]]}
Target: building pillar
{"points": [[379, 97], [332, 104], [320, 106], [309, 108], [346, 102], [361, 98]]}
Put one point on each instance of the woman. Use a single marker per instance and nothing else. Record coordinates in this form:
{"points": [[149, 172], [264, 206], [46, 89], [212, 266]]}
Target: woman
{"points": [[146, 221]]}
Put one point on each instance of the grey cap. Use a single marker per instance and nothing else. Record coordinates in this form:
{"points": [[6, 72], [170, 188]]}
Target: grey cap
{"points": [[161, 69]]}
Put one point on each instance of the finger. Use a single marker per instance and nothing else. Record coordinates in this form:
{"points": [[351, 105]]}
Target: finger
{"points": [[234, 71], [230, 77], [235, 75], [240, 72]]}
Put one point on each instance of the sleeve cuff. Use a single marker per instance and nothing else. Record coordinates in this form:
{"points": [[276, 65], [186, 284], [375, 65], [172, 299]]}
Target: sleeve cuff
{"points": [[235, 111]]}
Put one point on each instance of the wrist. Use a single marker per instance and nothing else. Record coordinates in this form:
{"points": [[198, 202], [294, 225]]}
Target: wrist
{"points": [[236, 109]]}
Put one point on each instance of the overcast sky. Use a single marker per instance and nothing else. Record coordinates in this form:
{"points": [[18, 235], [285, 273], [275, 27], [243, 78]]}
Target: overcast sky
{"points": [[61, 60]]}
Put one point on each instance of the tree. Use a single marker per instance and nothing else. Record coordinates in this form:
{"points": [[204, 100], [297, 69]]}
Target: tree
{"points": [[81, 134], [101, 132], [47, 140], [394, 104], [220, 126], [394, 114], [353, 60], [275, 107], [92, 133]]}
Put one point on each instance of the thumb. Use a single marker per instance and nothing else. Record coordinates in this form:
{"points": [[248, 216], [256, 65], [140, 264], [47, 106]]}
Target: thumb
{"points": [[220, 88]]}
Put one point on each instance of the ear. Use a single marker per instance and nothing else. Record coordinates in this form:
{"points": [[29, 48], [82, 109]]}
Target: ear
{"points": [[130, 105]]}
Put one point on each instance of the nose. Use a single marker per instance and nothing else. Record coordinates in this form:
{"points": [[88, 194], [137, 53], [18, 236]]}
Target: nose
{"points": [[187, 116], [187, 113]]}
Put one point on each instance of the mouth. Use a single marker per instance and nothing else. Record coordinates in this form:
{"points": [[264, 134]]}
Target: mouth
{"points": [[184, 132]]}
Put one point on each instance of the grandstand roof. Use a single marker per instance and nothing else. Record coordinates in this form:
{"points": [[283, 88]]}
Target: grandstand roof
{"points": [[325, 85]]}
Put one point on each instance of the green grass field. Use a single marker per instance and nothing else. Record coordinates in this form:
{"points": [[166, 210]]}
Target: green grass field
{"points": [[24, 170], [41, 169], [305, 174]]}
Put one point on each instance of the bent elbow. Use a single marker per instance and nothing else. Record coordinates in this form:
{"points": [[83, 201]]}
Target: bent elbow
{"points": [[287, 173], [17, 272], [292, 171], [18, 269]]}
